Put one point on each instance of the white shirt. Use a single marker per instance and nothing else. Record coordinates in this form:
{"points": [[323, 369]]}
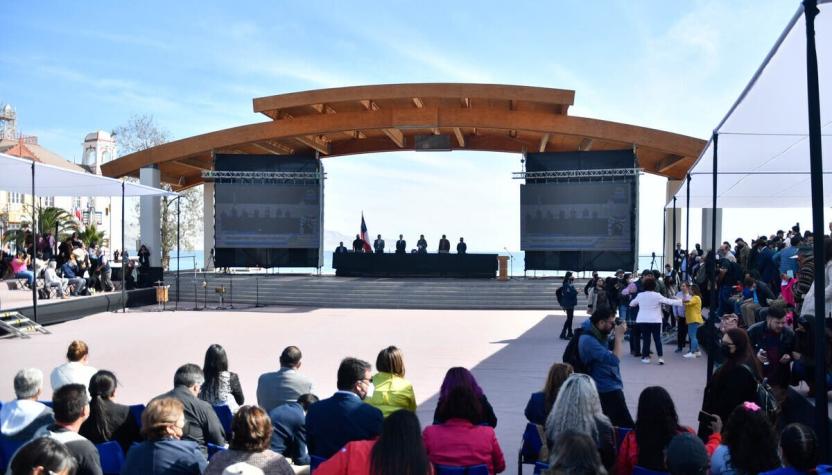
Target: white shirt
{"points": [[650, 306], [72, 372]]}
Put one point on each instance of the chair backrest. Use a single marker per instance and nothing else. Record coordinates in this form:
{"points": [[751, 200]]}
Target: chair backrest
{"points": [[539, 467], [646, 471], [136, 410], [112, 457], [481, 469], [314, 461], [225, 416], [620, 433], [530, 450], [214, 448], [46, 403], [7, 449]]}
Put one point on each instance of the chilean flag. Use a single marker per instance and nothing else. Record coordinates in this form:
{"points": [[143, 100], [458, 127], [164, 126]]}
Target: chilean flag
{"points": [[364, 236]]}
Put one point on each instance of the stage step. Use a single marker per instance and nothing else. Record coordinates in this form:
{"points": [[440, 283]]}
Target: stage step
{"points": [[15, 324], [349, 292]]}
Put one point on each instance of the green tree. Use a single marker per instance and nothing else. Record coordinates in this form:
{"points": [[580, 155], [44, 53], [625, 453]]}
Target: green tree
{"points": [[91, 234], [49, 220]]}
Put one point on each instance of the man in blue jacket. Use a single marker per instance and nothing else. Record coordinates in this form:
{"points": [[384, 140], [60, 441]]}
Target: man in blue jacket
{"points": [[603, 365], [344, 417]]}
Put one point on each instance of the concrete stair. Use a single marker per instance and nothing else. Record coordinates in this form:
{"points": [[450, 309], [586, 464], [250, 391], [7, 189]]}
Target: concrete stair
{"points": [[354, 292]]}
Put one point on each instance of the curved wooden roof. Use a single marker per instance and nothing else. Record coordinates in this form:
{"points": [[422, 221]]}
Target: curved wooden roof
{"points": [[385, 118]]}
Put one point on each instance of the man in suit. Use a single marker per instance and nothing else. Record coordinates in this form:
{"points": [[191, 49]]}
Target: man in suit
{"points": [[201, 422], [289, 434], [358, 244], [378, 245], [344, 417], [444, 245], [285, 385], [341, 249], [401, 245], [461, 248], [422, 244]]}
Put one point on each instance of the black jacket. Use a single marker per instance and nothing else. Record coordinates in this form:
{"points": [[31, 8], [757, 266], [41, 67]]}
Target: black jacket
{"points": [[201, 422], [121, 424]]}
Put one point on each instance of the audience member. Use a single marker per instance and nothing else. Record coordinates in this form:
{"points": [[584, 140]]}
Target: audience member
{"points": [[798, 451], [774, 343], [809, 299], [221, 387], [649, 318], [72, 408], [285, 385], [460, 440], [749, 444], [540, 403], [686, 455], [164, 452], [19, 267], [344, 417], [51, 279], [289, 435], [567, 297], [735, 381], [21, 418], [76, 370], [459, 376], [575, 453], [202, 425], [391, 391], [109, 420], [251, 433], [604, 365], [71, 272], [656, 424], [43, 456], [399, 450], [692, 297]]}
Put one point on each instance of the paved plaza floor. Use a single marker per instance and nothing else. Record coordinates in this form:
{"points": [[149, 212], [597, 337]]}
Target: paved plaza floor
{"points": [[508, 351]]}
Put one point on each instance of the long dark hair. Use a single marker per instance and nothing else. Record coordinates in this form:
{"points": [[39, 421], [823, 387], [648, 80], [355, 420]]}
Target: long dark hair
{"points": [[743, 353], [102, 387], [656, 423], [461, 403], [216, 361], [400, 449], [558, 373], [751, 441]]}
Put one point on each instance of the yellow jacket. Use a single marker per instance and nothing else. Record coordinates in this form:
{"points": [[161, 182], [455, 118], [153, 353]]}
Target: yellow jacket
{"points": [[693, 310], [392, 393]]}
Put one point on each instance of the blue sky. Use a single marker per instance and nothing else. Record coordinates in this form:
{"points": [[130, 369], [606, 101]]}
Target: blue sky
{"points": [[70, 68]]}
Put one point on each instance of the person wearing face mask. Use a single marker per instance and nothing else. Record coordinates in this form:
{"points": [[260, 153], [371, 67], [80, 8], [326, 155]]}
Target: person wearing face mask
{"points": [[735, 381], [567, 297], [344, 417]]}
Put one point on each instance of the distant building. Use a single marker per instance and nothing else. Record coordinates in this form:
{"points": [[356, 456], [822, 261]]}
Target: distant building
{"points": [[98, 148]]}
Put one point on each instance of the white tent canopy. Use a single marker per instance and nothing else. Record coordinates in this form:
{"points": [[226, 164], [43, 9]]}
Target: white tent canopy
{"points": [[16, 177], [763, 141]]}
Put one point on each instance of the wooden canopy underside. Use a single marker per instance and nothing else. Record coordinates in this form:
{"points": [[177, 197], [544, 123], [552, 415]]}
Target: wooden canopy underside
{"points": [[386, 118]]}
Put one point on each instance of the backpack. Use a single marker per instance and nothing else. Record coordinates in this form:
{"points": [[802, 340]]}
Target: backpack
{"points": [[572, 356], [765, 397], [559, 295]]}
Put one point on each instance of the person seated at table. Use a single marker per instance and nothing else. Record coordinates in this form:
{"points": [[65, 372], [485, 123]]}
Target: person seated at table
{"points": [[358, 244], [461, 248], [341, 249], [422, 244], [20, 269], [401, 245], [444, 245], [378, 245]]}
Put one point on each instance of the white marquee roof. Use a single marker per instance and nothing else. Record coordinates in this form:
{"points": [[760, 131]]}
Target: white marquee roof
{"points": [[763, 144], [16, 177]]}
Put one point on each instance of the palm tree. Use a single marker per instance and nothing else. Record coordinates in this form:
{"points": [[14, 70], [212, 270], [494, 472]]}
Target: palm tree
{"points": [[91, 234], [50, 220]]}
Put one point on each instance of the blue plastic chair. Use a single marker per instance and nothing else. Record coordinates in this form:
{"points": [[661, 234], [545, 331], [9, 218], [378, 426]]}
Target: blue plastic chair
{"points": [[7, 450], [314, 461], [620, 433], [46, 403], [481, 469], [646, 471], [530, 447], [539, 467], [112, 457], [136, 410], [213, 449], [225, 416]]}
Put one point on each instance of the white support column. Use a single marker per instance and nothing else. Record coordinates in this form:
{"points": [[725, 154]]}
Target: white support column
{"points": [[150, 219], [671, 188], [707, 229], [208, 220]]}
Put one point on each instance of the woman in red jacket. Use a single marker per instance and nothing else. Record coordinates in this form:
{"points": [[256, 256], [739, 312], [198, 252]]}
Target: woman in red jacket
{"points": [[399, 450], [656, 424], [458, 441]]}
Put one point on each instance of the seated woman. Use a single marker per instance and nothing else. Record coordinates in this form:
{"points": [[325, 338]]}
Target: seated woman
{"points": [[657, 423], [749, 443], [41, 456], [76, 370], [399, 450], [108, 420], [164, 452], [459, 376], [799, 451], [540, 403], [575, 453], [578, 408], [221, 387], [391, 391], [19, 268], [251, 435], [51, 278], [459, 441]]}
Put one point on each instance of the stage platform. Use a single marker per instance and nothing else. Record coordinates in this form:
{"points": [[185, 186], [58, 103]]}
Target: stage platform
{"points": [[470, 266], [369, 292]]}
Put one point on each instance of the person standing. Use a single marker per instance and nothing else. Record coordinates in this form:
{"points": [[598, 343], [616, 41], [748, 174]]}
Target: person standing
{"points": [[422, 244], [649, 318], [567, 297], [341, 249], [444, 245], [692, 297], [401, 245], [461, 248], [358, 245], [378, 245]]}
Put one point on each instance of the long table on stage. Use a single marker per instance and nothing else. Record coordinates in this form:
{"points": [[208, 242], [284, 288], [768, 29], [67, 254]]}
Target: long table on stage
{"points": [[483, 266]]}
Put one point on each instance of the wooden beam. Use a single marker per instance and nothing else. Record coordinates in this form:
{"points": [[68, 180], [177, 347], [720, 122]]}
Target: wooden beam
{"points": [[544, 141], [466, 102], [266, 149], [190, 165], [315, 143], [396, 136], [459, 137], [280, 148], [512, 105], [585, 145], [668, 162], [418, 102], [512, 133]]}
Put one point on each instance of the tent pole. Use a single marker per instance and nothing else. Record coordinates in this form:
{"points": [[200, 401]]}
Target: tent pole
{"points": [[714, 293], [34, 248], [177, 252], [664, 233], [810, 9], [673, 244], [687, 228], [124, 261]]}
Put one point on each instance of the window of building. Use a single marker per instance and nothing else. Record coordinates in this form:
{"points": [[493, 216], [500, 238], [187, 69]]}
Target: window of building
{"points": [[76, 202], [49, 202], [15, 197]]}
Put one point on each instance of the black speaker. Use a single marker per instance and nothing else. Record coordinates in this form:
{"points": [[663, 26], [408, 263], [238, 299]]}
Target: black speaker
{"points": [[148, 276]]}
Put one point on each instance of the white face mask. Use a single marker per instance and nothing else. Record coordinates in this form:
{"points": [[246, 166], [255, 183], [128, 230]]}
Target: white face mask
{"points": [[369, 393]]}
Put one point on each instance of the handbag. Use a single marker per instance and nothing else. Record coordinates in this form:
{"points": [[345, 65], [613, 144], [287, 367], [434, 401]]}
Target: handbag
{"points": [[765, 396]]}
